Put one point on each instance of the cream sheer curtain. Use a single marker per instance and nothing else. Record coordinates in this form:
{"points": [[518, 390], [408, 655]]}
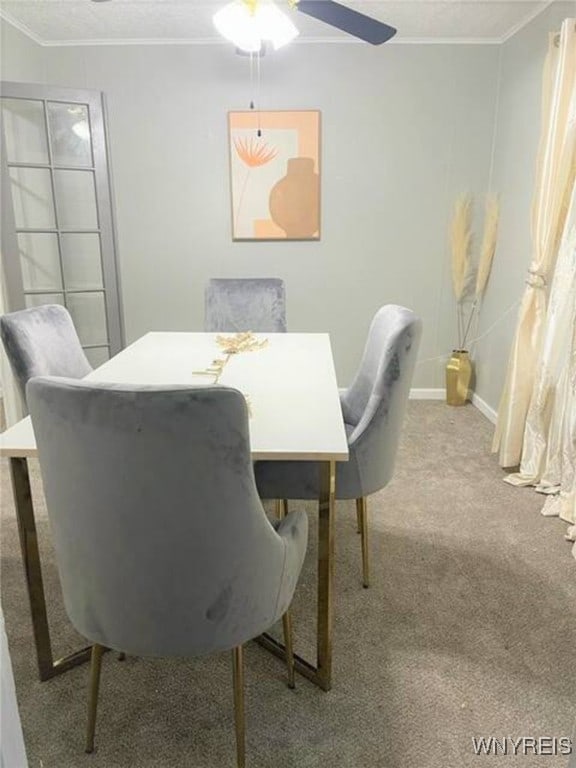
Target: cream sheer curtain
{"points": [[549, 454], [548, 438], [554, 180]]}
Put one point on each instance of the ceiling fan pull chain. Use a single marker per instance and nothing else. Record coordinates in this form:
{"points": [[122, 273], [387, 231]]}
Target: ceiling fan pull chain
{"points": [[252, 79], [259, 131]]}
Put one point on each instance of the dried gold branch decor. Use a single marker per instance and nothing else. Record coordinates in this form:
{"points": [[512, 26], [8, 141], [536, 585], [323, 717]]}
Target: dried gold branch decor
{"points": [[232, 345], [469, 283], [240, 342]]}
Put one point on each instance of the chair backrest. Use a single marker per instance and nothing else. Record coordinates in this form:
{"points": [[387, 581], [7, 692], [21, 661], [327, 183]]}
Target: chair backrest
{"points": [[375, 403], [245, 304], [162, 544], [42, 341]]}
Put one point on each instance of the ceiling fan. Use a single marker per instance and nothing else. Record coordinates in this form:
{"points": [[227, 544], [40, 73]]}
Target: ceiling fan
{"points": [[354, 23], [248, 23], [251, 20]]}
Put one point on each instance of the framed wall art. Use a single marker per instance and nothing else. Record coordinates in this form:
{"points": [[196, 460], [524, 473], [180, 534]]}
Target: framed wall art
{"points": [[275, 175]]}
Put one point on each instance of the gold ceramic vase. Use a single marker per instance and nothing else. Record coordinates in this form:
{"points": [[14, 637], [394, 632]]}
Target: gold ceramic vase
{"points": [[458, 374]]}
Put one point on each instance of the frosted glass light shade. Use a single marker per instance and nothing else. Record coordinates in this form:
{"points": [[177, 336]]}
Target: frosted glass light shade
{"points": [[247, 28]]}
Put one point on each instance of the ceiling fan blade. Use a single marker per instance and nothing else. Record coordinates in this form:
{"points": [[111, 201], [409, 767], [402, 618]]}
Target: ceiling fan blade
{"points": [[355, 23]]}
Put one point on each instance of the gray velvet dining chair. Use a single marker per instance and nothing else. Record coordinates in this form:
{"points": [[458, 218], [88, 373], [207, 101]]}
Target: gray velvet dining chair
{"points": [[162, 545], [245, 304], [42, 341], [373, 409]]}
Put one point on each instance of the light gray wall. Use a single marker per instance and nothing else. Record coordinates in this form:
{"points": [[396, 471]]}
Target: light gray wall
{"points": [[21, 59], [405, 130], [515, 147]]}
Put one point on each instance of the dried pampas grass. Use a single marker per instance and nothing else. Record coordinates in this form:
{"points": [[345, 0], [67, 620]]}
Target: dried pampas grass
{"points": [[488, 245], [463, 274], [461, 244]]}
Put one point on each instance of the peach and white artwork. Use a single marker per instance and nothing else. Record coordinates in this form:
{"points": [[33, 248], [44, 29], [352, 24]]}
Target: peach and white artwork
{"points": [[275, 175]]}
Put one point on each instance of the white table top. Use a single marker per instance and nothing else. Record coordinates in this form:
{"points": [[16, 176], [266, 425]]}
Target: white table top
{"points": [[291, 385]]}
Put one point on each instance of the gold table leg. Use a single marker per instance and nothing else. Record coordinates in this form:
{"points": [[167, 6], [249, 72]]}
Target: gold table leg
{"points": [[239, 714], [325, 573], [321, 673], [47, 667], [281, 513]]}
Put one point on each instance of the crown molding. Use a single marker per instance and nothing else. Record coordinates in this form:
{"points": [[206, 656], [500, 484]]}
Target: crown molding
{"points": [[534, 15], [20, 27], [218, 41], [202, 41], [310, 41]]}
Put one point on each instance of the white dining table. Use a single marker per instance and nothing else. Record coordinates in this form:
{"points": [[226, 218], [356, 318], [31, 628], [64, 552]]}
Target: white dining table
{"points": [[295, 415]]}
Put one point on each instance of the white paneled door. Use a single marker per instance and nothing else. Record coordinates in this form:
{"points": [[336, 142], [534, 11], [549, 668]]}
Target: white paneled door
{"points": [[58, 244]]}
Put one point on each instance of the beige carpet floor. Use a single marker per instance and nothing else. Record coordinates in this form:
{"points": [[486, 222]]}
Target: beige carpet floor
{"points": [[468, 630]]}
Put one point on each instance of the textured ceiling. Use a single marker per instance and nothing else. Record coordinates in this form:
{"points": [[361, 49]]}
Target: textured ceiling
{"points": [[68, 22]]}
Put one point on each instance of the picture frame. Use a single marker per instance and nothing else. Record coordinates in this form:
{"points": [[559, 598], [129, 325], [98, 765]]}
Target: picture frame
{"points": [[275, 174]]}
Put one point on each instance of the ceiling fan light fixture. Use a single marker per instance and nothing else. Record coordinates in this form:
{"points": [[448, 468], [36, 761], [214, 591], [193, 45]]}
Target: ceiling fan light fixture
{"points": [[248, 24], [275, 26], [235, 23]]}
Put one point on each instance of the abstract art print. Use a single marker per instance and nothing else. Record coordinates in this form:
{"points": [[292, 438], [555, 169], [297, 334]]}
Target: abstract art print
{"points": [[275, 175]]}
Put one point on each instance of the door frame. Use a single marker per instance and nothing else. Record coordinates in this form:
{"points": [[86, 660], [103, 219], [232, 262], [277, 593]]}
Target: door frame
{"points": [[95, 102]]}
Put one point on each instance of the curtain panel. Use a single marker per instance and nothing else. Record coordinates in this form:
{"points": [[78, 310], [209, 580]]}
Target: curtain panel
{"points": [[549, 452], [548, 440], [554, 181]]}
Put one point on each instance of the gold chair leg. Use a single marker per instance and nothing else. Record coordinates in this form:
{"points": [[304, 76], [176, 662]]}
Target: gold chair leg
{"points": [[358, 517], [362, 513], [281, 508], [287, 625], [238, 675], [97, 651]]}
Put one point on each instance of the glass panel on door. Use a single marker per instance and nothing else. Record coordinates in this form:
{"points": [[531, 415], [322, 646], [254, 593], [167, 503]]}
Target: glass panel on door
{"points": [[89, 315], [70, 134], [32, 198], [40, 261], [76, 199], [25, 131], [97, 355], [39, 299], [81, 261]]}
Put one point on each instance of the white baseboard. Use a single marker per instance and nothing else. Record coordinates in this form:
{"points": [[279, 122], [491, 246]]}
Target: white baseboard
{"points": [[440, 394], [427, 394], [484, 408]]}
